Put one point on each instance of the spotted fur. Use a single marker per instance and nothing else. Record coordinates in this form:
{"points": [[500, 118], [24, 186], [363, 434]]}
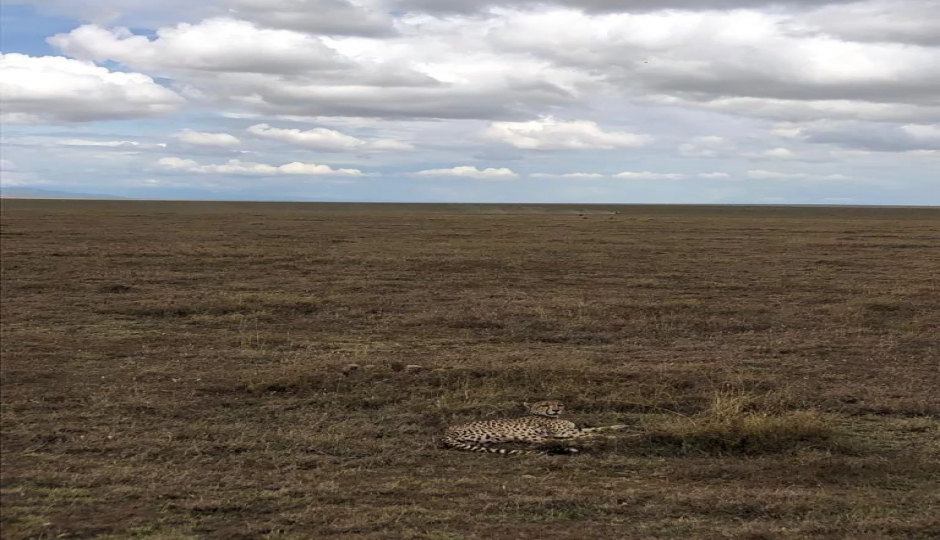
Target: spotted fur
{"points": [[540, 425]]}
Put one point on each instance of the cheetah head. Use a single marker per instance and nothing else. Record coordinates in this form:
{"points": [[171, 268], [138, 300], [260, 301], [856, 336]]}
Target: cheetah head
{"points": [[545, 408]]}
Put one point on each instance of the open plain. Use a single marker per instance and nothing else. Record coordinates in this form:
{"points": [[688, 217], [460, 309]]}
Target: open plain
{"points": [[176, 370]]}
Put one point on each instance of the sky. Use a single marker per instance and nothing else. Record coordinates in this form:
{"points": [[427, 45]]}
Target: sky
{"points": [[556, 101]]}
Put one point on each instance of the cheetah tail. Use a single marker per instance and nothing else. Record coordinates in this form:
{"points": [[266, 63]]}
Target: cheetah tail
{"points": [[481, 448]]}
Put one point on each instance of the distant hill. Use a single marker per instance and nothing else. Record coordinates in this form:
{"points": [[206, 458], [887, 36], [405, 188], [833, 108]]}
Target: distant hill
{"points": [[33, 193]]}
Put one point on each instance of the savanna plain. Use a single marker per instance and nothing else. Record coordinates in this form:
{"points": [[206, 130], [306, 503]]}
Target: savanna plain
{"points": [[176, 370]]}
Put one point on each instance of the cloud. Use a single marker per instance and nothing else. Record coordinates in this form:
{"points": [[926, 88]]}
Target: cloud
{"points": [[775, 153], [375, 12], [787, 130], [214, 45], [142, 13], [550, 134], [575, 175], [17, 178], [773, 175], [202, 138], [911, 21], [745, 84], [509, 64], [326, 139], [11, 174], [694, 59], [92, 145], [872, 137], [52, 89], [238, 167], [631, 175], [450, 101], [806, 110], [923, 132], [160, 183], [283, 72], [620, 6], [107, 144], [470, 172], [707, 146], [646, 175], [329, 17], [122, 145]]}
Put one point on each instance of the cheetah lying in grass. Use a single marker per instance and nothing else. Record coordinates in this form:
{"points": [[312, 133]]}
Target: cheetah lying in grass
{"points": [[540, 425]]}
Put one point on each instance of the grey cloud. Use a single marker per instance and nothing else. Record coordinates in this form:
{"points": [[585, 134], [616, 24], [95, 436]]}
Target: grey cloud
{"points": [[916, 22], [872, 137], [605, 6], [725, 81], [512, 102], [285, 72], [806, 110], [328, 17], [214, 45], [383, 92], [521, 64], [134, 13], [695, 60]]}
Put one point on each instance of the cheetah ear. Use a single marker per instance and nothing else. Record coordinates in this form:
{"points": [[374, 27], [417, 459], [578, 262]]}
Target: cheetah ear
{"points": [[526, 405]]}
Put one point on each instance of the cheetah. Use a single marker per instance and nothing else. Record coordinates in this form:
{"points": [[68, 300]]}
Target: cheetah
{"points": [[540, 425]]}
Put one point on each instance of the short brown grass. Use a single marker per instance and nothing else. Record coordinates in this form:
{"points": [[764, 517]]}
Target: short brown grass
{"points": [[180, 370]]}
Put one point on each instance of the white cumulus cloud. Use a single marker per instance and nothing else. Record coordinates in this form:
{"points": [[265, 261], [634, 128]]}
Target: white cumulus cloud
{"points": [[203, 138], [774, 175], [918, 131], [52, 89], [550, 134], [238, 167], [694, 59], [646, 175], [573, 176], [117, 145], [470, 172], [326, 139], [775, 153], [213, 45], [707, 146]]}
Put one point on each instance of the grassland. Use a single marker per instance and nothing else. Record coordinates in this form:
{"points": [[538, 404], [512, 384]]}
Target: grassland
{"points": [[178, 370]]}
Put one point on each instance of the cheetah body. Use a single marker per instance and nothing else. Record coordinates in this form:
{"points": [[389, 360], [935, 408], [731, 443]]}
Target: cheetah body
{"points": [[541, 425]]}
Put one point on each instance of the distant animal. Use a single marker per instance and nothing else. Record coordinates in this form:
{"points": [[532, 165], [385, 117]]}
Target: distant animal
{"points": [[540, 425]]}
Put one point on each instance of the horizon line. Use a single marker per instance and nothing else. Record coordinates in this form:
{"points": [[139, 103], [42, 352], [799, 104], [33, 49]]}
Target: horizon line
{"points": [[280, 201]]}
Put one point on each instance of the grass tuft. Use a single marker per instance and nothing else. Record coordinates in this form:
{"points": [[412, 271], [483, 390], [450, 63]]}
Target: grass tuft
{"points": [[736, 422]]}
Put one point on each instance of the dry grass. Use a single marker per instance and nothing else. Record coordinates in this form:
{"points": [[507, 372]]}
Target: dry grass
{"points": [[735, 423], [175, 370]]}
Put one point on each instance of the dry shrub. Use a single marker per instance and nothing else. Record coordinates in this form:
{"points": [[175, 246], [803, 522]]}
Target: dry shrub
{"points": [[737, 422]]}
